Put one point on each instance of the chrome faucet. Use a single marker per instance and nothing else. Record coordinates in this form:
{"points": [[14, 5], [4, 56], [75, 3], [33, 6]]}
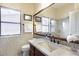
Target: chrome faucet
{"points": [[48, 36]]}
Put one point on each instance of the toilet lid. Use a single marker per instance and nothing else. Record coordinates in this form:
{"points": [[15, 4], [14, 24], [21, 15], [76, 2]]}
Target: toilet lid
{"points": [[25, 46]]}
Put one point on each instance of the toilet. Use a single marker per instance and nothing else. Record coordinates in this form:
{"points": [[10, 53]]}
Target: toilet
{"points": [[25, 50]]}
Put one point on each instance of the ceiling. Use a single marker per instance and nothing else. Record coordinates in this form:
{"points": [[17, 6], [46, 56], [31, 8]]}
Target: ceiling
{"points": [[58, 5]]}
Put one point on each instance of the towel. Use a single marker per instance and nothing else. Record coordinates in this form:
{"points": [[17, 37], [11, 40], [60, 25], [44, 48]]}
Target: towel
{"points": [[74, 37]]}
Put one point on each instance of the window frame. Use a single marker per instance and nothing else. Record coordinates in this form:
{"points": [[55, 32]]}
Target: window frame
{"points": [[64, 20], [36, 19], [29, 16], [25, 20], [49, 24], [46, 25], [52, 25], [10, 22]]}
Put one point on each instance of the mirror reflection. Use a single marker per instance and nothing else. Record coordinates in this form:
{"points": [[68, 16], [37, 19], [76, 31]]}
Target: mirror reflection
{"points": [[55, 20]]}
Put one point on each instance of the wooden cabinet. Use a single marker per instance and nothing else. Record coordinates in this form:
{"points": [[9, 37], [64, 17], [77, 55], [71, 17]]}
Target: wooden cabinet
{"points": [[38, 53], [34, 51]]}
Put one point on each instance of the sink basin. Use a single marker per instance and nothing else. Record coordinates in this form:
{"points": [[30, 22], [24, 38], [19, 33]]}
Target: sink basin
{"points": [[47, 45]]}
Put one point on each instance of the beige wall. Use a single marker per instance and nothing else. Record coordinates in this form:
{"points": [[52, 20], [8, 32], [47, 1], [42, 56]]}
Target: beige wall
{"points": [[58, 12], [27, 8], [62, 12], [49, 12], [40, 6], [12, 45]]}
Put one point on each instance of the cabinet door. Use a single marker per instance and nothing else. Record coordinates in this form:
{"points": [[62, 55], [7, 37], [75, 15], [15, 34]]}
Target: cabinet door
{"points": [[32, 50], [35, 52], [38, 53]]}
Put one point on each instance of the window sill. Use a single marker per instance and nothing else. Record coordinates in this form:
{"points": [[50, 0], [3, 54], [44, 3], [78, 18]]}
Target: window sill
{"points": [[5, 36]]}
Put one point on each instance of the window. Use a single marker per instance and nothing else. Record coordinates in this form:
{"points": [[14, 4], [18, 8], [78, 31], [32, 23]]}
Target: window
{"points": [[65, 26], [27, 17], [10, 21], [45, 24], [52, 25], [38, 23], [28, 27], [38, 26], [38, 19]]}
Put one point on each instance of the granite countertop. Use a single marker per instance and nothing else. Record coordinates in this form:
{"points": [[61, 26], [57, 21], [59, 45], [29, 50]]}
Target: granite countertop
{"points": [[58, 49]]}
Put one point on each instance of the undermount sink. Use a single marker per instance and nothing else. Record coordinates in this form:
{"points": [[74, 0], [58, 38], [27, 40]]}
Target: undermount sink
{"points": [[47, 45]]}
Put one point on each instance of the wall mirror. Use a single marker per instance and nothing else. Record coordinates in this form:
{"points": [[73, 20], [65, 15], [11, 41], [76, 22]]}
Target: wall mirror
{"points": [[55, 19]]}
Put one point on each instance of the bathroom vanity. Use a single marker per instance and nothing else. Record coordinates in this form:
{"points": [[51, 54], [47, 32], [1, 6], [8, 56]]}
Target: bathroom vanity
{"points": [[42, 47], [34, 51]]}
